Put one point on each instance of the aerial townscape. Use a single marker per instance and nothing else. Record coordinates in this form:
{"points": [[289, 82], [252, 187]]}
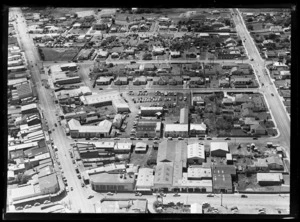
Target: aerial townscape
{"points": [[149, 110]]}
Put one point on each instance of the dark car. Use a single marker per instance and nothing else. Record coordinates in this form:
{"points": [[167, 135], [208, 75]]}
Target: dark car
{"points": [[251, 59], [100, 88], [244, 196], [55, 124], [255, 138], [227, 138], [272, 94]]}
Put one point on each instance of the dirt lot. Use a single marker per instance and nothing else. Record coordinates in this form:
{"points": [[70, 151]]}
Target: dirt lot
{"points": [[59, 54], [141, 158]]}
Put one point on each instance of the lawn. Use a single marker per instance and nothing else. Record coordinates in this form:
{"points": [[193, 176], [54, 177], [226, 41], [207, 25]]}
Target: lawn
{"points": [[59, 54]]}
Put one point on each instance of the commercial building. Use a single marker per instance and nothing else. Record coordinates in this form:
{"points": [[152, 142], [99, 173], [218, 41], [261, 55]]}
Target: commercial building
{"points": [[109, 98], [151, 111], [176, 130], [49, 184], [27, 191], [103, 129], [222, 183], [195, 153], [30, 108], [122, 147], [145, 180], [219, 149], [124, 206], [140, 147], [147, 129], [184, 116], [117, 121], [105, 182], [64, 74], [269, 179]]}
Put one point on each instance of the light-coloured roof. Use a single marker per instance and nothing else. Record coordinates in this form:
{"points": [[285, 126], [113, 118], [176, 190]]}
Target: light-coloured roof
{"points": [[275, 177], [199, 172], [195, 126], [184, 115], [219, 146], [151, 108], [145, 177], [176, 127], [195, 150], [20, 193], [111, 178], [184, 182], [140, 145], [22, 146], [164, 174], [123, 146], [29, 106]]}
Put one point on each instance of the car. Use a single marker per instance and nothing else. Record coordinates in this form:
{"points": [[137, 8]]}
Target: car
{"points": [[79, 176], [110, 193], [116, 138], [73, 161], [244, 196], [170, 138], [227, 138], [252, 59], [200, 138], [132, 62], [210, 195], [82, 184], [272, 94], [132, 138], [208, 138], [67, 188], [90, 196], [100, 88], [71, 188], [255, 138], [176, 195], [150, 138], [138, 194]]}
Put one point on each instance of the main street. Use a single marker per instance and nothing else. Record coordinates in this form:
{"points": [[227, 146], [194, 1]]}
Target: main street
{"points": [[77, 197], [280, 115]]}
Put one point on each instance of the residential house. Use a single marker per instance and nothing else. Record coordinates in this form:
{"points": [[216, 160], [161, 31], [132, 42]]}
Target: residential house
{"points": [[258, 129], [275, 163], [269, 179], [224, 82], [197, 81], [198, 100], [197, 129], [121, 81], [141, 80]]}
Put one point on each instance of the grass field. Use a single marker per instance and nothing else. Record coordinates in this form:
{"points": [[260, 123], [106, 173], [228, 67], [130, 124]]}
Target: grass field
{"points": [[59, 54]]}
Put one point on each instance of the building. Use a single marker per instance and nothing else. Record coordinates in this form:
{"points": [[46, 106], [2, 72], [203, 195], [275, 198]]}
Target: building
{"points": [[103, 129], [222, 183], [197, 129], [219, 149], [258, 129], [122, 147], [109, 98], [199, 173], [151, 111], [274, 163], [49, 184], [195, 153], [65, 74], [148, 129], [140, 147], [105, 182], [198, 100], [24, 192], [30, 108], [184, 116], [124, 206], [269, 179], [176, 130], [117, 121], [141, 80], [163, 178], [145, 179]]}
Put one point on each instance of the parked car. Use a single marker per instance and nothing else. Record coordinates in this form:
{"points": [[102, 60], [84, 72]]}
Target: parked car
{"points": [[180, 138], [255, 138], [272, 94], [82, 184], [210, 195], [244, 196], [71, 188], [170, 138], [138, 194], [110, 193], [90, 196], [208, 138], [227, 138], [116, 138], [176, 195]]}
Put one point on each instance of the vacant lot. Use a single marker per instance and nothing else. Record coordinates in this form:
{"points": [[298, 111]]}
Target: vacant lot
{"points": [[59, 54]]}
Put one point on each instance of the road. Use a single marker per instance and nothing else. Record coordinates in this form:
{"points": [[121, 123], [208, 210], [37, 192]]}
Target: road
{"points": [[78, 197], [276, 106]]}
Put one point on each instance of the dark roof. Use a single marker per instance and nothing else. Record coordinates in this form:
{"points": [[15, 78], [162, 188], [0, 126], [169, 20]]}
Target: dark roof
{"points": [[224, 169], [222, 181]]}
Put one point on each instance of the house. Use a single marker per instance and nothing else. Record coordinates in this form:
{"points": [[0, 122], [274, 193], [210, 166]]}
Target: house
{"points": [[162, 80], [274, 163], [269, 179], [224, 82], [149, 67], [176, 130], [197, 129], [104, 80], [258, 129], [195, 153], [121, 81], [132, 67], [148, 129], [270, 54], [219, 149], [197, 80], [142, 80], [198, 100], [158, 50], [178, 80]]}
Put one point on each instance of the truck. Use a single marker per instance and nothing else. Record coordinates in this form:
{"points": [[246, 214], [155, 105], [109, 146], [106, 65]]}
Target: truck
{"points": [[55, 148]]}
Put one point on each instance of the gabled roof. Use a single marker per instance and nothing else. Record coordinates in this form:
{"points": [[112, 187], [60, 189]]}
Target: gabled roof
{"points": [[164, 173]]}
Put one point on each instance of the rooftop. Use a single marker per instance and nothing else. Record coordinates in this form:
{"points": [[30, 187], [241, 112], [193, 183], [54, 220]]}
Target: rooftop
{"points": [[195, 150], [219, 146], [169, 127]]}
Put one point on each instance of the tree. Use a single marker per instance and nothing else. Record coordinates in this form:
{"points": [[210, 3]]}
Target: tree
{"points": [[250, 27], [227, 22], [272, 36], [218, 44]]}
